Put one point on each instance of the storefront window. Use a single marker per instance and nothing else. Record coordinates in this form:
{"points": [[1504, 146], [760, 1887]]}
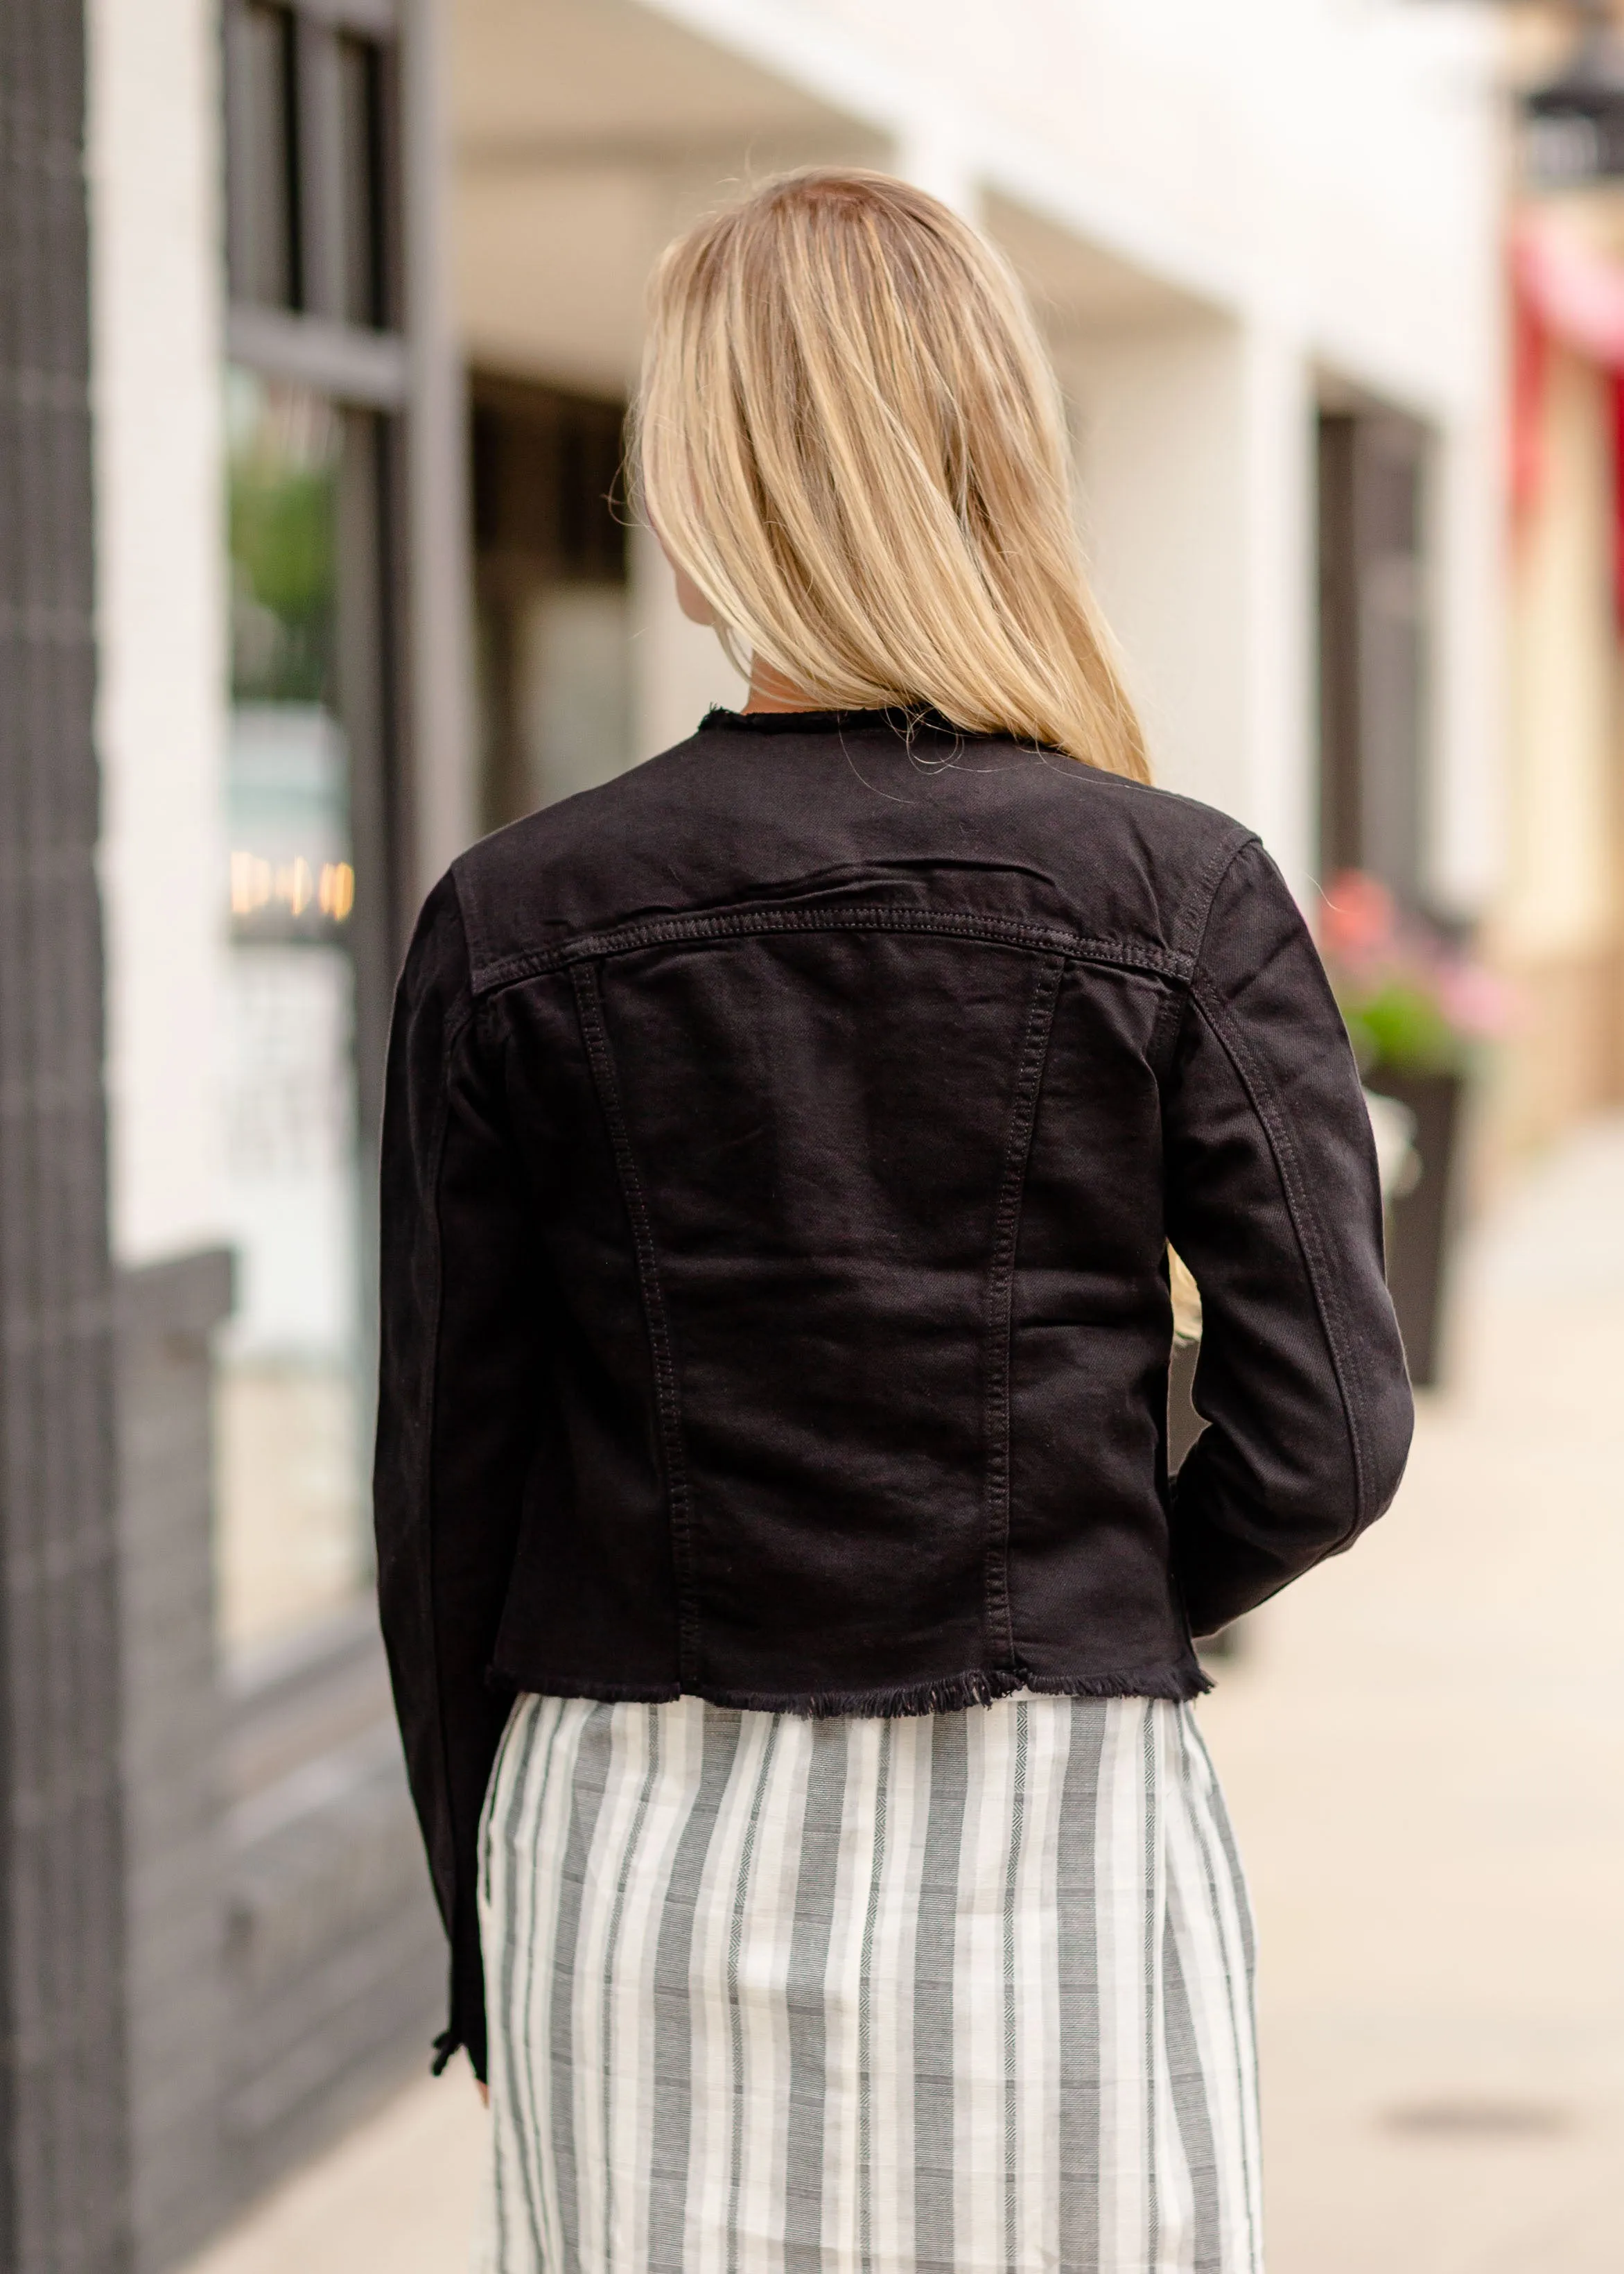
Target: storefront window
{"points": [[291, 1538]]}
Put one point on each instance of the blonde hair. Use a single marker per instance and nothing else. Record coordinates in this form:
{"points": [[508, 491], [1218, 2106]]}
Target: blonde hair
{"points": [[850, 436]]}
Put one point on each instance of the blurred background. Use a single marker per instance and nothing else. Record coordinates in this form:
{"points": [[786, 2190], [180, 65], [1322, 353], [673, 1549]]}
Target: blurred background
{"points": [[318, 320]]}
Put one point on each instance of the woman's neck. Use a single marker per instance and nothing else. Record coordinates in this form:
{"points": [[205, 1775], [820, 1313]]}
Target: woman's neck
{"points": [[770, 690]]}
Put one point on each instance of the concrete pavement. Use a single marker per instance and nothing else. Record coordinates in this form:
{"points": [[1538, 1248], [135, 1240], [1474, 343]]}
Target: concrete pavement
{"points": [[1425, 1760], [1424, 1748]]}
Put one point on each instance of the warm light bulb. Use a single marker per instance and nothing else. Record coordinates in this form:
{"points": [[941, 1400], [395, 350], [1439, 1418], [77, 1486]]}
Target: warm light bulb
{"points": [[336, 890]]}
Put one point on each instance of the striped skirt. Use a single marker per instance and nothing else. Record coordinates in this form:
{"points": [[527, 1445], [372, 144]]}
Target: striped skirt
{"points": [[971, 1990]]}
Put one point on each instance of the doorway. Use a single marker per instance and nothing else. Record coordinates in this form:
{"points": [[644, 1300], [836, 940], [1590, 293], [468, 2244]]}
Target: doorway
{"points": [[554, 604], [1374, 645]]}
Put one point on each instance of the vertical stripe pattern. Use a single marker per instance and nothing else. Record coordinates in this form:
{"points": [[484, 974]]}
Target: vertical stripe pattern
{"points": [[965, 1994]]}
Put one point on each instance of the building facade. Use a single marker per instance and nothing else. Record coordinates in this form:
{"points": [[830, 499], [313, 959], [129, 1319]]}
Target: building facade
{"points": [[1557, 927], [366, 284]]}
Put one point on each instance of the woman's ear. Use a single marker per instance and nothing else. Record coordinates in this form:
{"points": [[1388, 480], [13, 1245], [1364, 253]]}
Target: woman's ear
{"points": [[691, 599]]}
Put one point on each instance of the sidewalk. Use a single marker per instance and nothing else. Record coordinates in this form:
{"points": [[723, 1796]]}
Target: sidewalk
{"points": [[1424, 1748], [1425, 1758]]}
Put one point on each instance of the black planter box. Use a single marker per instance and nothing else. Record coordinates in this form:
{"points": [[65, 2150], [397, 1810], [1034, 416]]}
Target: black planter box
{"points": [[1420, 1227], [1420, 1221]]}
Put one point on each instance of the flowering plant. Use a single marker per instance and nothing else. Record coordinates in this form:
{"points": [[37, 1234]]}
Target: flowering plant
{"points": [[1411, 1000]]}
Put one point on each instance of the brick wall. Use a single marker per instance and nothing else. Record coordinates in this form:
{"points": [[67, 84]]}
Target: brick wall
{"points": [[283, 1960], [64, 2199], [176, 2012]]}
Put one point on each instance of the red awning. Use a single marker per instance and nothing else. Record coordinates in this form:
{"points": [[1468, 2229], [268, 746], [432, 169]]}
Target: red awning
{"points": [[1567, 290], [1574, 289]]}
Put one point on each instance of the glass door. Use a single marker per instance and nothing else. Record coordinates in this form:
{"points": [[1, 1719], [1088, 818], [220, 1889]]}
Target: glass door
{"points": [[307, 931]]}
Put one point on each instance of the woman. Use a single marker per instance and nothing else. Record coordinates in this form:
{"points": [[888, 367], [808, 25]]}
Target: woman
{"points": [[790, 1609]]}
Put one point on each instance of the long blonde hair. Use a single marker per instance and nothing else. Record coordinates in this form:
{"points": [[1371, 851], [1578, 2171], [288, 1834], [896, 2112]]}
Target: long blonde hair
{"points": [[850, 436]]}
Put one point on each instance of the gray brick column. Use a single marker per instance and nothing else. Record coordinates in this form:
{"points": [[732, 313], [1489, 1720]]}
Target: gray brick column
{"points": [[176, 2018], [63, 2154]]}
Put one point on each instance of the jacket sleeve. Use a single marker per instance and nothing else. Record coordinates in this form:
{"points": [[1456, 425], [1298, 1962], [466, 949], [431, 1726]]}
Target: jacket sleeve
{"points": [[1272, 1200], [456, 1402]]}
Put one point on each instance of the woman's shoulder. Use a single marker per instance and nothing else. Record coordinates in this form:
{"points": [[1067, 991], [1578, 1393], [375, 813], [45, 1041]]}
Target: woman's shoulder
{"points": [[791, 806], [1166, 821]]}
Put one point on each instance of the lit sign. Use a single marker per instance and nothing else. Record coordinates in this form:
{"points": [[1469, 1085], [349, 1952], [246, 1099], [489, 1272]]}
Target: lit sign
{"points": [[296, 886]]}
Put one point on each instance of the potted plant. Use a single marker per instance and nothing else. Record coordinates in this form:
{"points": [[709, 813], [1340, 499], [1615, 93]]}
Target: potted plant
{"points": [[1419, 1010]]}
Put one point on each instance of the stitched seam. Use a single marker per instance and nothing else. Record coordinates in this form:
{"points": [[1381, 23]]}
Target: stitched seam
{"points": [[1003, 931], [1203, 894], [1196, 911], [469, 914], [1165, 1031], [1001, 1299], [679, 1506], [1344, 1361]]}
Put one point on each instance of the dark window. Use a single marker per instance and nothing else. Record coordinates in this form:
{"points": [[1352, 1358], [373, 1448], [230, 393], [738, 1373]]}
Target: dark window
{"points": [[1372, 648], [553, 630], [361, 78], [262, 150], [310, 111]]}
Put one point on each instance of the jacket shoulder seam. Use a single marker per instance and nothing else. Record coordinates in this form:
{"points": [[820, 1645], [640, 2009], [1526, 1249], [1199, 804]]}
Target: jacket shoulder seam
{"points": [[1196, 915], [1189, 931], [459, 880]]}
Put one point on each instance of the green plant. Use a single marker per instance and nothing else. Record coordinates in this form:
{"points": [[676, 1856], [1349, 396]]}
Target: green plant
{"points": [[1409, 999]]}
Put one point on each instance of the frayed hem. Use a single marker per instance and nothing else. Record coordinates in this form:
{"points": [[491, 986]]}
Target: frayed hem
{"points": [[950, 1693], [1180, 1684]]}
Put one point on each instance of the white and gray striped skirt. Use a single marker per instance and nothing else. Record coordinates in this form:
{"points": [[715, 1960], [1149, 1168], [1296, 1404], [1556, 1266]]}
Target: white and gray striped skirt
{"points": [[966, 1991]]}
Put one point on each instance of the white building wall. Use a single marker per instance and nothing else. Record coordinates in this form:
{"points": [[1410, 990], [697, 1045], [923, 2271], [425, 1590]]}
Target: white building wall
{"points": [[1277, 556], [1469, 820], [1156, 420], [1195, 464], [157, 291], [1323, 159]]}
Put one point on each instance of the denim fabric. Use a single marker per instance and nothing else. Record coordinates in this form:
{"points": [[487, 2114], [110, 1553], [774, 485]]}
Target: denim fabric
{"points": [[781, 1150]]}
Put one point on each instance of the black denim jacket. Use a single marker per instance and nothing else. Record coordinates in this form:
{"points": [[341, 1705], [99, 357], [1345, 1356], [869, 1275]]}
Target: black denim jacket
{"points": [[781, 1150]]}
